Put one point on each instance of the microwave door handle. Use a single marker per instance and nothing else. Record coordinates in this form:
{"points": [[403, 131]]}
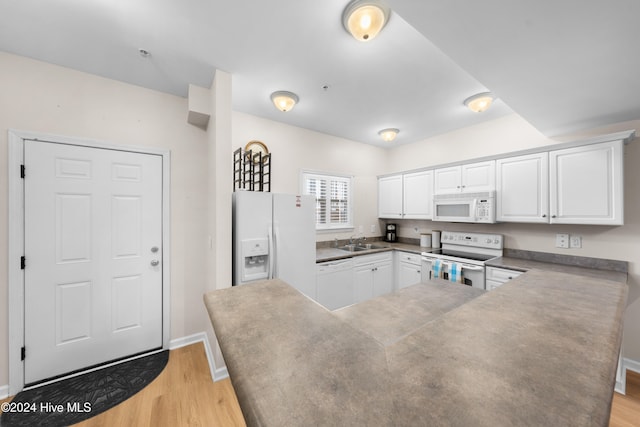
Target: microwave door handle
{"points": [[474, 210]]}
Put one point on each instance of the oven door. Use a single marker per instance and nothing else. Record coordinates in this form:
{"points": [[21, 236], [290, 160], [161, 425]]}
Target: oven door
{"points": [[471, 275]]}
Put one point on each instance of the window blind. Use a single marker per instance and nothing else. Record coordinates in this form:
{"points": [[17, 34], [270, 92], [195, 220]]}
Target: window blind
{"points": [[333, 199]]}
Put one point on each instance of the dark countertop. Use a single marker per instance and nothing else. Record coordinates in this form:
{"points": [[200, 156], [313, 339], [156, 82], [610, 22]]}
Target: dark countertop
{"points": [[540, 350], [332, 254], [521, 264]]}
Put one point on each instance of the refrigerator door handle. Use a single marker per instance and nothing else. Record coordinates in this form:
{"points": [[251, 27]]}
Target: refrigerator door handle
{"points": [[276, 237], [271, 253]]}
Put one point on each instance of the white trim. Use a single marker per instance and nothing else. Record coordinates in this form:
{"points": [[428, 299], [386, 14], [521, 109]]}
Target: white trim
{"points": [[216, 374], [627, 365], [631, 365], [15, 275], [4, 392], [16, 238]]}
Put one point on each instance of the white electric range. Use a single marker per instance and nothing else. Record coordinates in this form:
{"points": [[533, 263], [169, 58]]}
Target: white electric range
{"points": [[468, 251]]}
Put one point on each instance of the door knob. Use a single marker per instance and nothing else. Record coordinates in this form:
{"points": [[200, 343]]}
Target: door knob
{"points": [[155, 263]]}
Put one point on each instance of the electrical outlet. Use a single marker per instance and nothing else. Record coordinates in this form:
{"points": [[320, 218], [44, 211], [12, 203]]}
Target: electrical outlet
{"points": [[575, 241], [562, 240], [373, 228], [360, 229]]}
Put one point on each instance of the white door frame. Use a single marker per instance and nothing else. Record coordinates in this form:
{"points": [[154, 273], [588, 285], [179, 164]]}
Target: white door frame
{"points": [[16, 239]]}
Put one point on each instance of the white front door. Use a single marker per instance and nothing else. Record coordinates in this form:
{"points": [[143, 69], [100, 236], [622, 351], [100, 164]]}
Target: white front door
{"points": [[93, 273]]}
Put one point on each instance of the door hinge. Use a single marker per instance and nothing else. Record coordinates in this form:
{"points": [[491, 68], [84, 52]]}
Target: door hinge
{"points": [[23, 262], [22, 171], [23, 353]]}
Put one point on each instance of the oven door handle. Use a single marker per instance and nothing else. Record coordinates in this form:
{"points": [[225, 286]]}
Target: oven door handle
{"points": [[468, 267], [464, 266]]}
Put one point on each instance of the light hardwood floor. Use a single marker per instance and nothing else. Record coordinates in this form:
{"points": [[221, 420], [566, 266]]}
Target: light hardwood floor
{"points": [[184, 395], [625, 410]]}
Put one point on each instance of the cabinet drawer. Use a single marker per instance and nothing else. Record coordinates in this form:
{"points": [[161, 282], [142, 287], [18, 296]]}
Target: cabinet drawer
{"points": [[409, 257], [501, 274], [373, 258]]}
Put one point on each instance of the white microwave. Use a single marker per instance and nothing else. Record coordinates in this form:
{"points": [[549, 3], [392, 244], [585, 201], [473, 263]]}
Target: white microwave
{"points": [[465, 207]]}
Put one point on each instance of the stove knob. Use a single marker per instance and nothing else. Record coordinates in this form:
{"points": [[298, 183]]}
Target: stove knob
{"points": [[488, 240], [496, 241]]}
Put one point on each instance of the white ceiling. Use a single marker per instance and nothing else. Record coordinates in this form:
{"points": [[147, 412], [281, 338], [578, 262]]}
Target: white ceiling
{"points": [[563, 66]]}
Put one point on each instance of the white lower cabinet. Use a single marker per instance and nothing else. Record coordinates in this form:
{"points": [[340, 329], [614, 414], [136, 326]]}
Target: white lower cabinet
{"points": [[334, 283], [409, 269], [496, 277], [372, 275]]}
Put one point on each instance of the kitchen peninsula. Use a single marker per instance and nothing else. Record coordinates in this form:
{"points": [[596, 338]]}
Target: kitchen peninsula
{"points": [[540, 350]]}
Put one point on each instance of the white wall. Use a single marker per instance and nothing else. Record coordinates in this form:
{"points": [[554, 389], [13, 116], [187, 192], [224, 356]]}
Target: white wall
{"points": [[512, 133], [295, 149], [40, 97]]}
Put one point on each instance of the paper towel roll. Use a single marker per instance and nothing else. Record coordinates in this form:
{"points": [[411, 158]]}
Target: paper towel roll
{"points": [[435, 239]]}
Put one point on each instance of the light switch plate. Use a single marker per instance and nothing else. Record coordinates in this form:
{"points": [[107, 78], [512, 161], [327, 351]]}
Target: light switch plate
{"points": [[575, 241], [562, 240]]}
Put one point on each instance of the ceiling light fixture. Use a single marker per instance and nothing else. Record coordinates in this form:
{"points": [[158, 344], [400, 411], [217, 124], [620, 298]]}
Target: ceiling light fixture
{"points": [[364, 19], [284, 100], [388, 134], [479, 102]]}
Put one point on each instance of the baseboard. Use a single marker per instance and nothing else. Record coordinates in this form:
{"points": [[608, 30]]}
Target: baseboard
{"points": [[627, 365], [4, 391], [631, 365], [217, 374]]}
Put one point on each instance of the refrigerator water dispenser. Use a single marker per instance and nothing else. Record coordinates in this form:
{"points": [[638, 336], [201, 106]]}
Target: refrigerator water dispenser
{"points": [[255, 254]]}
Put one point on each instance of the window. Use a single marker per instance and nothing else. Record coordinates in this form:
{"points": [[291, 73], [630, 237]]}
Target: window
{"points": [[333, 199]]}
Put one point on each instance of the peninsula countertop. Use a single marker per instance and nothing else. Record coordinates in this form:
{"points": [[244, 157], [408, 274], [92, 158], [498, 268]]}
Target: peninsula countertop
{"points": [[540, 350]]}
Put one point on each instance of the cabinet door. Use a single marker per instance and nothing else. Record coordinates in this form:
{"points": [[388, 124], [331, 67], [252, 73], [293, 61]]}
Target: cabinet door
{"points": [[383, 279], [586, 184], [522, 185], [477, 177], [447, 180], [408, 274], [390, 197], [418, 195], [363, 282]]}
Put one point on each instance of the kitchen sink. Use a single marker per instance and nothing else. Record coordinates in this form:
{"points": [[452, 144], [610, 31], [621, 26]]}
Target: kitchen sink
{"points": [[353, 248], [358, 248]]}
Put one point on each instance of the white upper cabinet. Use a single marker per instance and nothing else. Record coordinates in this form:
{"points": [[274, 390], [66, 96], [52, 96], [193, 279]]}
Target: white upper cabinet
{"points": [[390, 197], [586, 184], [418, 195], [522, 188], [448, 180], [469, 178], [406, 196]]}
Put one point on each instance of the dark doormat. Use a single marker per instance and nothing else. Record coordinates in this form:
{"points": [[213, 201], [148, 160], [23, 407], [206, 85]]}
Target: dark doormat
{"points": [[75, 399]]}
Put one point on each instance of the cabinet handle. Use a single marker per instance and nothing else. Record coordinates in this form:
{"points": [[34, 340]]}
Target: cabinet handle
{"points": [[544, 215], [417, 271], [553, 216]]}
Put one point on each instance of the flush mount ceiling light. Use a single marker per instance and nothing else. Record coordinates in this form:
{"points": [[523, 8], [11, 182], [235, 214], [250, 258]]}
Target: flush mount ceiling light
{"points": [[364, 19], [480, 102], [388, 134], [283, 100]]}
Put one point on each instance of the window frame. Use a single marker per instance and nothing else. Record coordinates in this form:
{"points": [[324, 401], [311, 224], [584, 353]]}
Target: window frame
{"points": [[329, 177]]}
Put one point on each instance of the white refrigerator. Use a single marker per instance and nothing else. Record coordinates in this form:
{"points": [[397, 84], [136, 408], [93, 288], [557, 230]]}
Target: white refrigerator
{"points": [[274, 237]]}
